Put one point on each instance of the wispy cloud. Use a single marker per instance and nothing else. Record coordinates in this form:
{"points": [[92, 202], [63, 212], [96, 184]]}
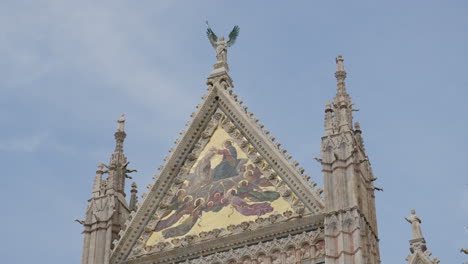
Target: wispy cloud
{"points": [[24, 144], [109, 41]]}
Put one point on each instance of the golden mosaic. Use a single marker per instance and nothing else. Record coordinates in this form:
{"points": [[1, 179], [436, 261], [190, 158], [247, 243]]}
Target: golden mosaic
{"points": [[223, 188]]}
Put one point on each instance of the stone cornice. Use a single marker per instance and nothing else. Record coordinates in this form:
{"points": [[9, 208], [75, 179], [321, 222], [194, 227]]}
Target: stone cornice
{"points": [[235, 241]]}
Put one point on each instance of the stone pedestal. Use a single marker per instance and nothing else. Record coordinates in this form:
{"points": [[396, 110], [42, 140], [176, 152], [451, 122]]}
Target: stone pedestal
{"points": [[418, 244], [219, 68]]}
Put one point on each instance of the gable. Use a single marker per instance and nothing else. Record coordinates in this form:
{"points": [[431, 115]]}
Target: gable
{"points": [[222, 189], [210, 189]]}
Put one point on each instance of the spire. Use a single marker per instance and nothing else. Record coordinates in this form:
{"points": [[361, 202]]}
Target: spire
{"points": [[107, 209], [358, 135], [418, 248], [340, 75], [118, 162], [120, 135], [133, 198], [348, 183], [342, 104], [99, 183]]}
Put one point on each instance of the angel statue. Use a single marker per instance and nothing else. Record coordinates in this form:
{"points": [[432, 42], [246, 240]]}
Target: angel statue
{"points": [[221, 45]]}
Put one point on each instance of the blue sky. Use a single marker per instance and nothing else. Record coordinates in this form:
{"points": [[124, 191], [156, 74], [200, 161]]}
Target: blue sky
{"points": [[68, 69]]}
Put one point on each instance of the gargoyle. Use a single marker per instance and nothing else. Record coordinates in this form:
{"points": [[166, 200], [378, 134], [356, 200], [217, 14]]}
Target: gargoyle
{"points": [[127, 170]]}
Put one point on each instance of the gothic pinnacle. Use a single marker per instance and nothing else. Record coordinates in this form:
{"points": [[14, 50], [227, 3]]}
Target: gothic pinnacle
{"points": [[342, 104], [133, 198], [121, 122], [120, 135], [340, 75]]}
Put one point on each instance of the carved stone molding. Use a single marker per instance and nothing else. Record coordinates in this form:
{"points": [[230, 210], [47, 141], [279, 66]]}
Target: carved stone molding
{"points": [[290, 248]]}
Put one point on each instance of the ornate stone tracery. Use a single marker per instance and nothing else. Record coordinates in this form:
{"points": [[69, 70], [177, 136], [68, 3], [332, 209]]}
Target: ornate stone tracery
{"points": [[307, 246]]}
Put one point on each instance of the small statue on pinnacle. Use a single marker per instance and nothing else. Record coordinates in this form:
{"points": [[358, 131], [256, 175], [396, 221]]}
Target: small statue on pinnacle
{"points": [[221, 45], [415, 222], [121, 122]]}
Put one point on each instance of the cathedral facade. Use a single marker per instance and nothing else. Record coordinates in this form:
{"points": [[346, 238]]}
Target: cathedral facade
{"points": [[229, 193]]}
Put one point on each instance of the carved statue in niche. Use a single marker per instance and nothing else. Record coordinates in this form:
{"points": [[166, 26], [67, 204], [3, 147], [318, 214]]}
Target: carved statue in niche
{"points": [[305, 251], [320, 249], [277, 258], [291, 256], [247, 261], [262, 259]]}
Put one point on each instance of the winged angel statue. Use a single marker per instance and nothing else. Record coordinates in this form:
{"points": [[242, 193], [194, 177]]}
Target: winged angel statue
{"points": [[221, 45]]}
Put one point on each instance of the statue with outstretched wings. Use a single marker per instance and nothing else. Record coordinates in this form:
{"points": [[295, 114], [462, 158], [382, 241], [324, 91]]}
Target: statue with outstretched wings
{"points": [[221, 45]]}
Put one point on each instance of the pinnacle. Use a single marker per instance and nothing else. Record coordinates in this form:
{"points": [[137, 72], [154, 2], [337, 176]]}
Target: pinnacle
{"points": [[120, 135], [340, 76], [338, 114]]}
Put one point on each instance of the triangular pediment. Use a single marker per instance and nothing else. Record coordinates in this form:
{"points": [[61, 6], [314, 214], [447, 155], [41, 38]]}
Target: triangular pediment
{"points": [[225, 177]]}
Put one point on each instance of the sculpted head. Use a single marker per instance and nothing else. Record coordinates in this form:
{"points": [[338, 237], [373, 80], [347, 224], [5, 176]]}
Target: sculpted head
{"points": [[221, 38], [227, 143], [413, 212]]}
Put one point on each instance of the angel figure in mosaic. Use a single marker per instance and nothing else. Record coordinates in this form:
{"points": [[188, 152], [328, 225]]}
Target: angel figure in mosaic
{"points": [[231, 183]]}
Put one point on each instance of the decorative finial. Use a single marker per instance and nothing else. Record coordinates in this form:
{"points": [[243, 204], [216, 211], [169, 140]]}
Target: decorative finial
{"points": [[339, 63], [121, 122], [221, 45], [340, 73], [133, 197], [415, 222], [120, 135]]}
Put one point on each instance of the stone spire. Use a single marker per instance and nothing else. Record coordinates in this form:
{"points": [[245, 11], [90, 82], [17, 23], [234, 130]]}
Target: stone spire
{"points": [[350, 223], [107, 209], [340, 76], [118, 161], [120, 135], [418, 249], [342, 101], [99, 185]]}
